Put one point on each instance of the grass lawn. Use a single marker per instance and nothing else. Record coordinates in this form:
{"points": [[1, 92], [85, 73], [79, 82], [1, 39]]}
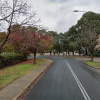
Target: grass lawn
{"points": [[9, 74], [93, 64]]}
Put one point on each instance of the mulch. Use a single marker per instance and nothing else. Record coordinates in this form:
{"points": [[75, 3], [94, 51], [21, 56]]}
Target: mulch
{"points": [[29, 61]]}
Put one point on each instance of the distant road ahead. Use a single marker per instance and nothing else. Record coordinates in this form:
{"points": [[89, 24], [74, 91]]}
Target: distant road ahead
{"points": [[66, 79]]}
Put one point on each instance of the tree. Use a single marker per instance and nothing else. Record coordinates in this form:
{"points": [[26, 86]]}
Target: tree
{"points": [[66, 44], [38, 42], [98, 45], [45, 44], [27, 41], [15, 12], [50, 49], [70, 39], [2, 36], [54, 40], [88, 28], [89, 40]]}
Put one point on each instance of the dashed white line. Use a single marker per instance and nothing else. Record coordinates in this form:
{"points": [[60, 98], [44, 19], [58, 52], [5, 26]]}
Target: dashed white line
{"points": [[86, 96]]}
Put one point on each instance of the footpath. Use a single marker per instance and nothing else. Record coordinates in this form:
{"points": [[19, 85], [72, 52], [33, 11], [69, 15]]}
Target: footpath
{"points": [[96, 59], [15, 89]]}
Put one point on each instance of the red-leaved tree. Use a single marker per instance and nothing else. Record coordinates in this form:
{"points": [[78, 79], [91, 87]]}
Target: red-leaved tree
{"points": [[26, 42]]}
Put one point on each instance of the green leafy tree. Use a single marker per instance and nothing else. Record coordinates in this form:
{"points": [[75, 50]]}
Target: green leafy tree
{"points": [[54, 41], [70, 39], [88, 28]]}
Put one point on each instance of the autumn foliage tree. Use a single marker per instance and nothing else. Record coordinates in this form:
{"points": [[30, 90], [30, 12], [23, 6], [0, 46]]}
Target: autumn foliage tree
{"points": [[26, 42], [15, 12], [2, 36]]}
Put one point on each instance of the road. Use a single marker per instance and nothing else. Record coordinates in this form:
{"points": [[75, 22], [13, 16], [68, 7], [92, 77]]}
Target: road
{"points": [[66, 79]]}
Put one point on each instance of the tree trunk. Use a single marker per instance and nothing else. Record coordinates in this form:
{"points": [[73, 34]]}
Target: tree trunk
{"points": [[34, 56], [73, 53], [59, 52], [50, 52], [54, 53], [42, 53], [79, 51], [92, 55], [0, 50], [86, 51], [66, 52]]}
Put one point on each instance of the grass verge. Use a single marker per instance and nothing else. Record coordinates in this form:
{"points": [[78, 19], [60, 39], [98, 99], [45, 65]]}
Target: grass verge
{"points": [[9, 74], [93, 64]]}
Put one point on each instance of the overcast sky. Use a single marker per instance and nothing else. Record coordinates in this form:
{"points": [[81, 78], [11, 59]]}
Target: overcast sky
{"points": [[58, 15]]}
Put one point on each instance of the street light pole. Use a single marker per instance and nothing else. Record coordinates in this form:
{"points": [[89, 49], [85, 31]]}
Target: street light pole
{"points": [[79, 11]]}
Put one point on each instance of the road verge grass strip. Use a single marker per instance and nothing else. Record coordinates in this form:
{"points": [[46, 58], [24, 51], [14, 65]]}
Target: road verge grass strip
{"points": [[12, 73], [92, 64]]}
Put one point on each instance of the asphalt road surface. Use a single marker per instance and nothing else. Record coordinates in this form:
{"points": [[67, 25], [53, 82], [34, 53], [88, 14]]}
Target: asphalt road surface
{"points": [[66, 79]]}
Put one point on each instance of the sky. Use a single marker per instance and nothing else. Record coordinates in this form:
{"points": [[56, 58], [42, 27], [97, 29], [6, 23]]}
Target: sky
{"points": [[58, 15]]}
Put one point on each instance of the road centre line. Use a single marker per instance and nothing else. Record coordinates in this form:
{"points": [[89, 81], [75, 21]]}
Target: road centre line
{"points": [[86, 96]]}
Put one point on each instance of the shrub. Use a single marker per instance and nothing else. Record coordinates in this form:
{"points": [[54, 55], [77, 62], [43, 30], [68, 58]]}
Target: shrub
{"points": [[2, 59], [97, 53], [11, 58]]}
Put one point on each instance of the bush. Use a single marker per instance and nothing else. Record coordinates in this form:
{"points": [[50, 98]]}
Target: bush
{"points": [[10, 59], [97, 54]]}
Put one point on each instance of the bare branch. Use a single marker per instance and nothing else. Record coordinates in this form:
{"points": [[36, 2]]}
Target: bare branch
{"points": [[16, 12]]}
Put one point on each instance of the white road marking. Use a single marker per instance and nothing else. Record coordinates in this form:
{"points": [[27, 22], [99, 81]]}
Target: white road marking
{"points": [[86, 96]]}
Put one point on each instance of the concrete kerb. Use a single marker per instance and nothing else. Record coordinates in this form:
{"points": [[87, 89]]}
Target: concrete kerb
{"points": [[94, 70], [89, 65], [5, 95]]}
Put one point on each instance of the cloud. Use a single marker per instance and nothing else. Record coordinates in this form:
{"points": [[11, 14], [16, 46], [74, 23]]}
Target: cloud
{"points": [[58, 15]]}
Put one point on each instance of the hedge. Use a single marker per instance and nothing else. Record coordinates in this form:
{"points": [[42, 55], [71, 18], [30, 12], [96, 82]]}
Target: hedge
{"points": [[11, 59]]}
